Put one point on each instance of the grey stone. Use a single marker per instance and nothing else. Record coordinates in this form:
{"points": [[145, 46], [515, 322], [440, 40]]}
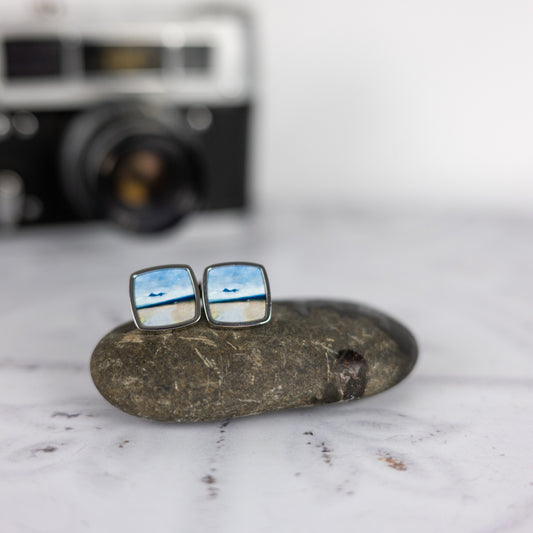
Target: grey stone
{"points": [[312, 352]]}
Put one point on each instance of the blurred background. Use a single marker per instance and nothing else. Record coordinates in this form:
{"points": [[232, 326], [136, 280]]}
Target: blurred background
{"points": [[369, 103]]}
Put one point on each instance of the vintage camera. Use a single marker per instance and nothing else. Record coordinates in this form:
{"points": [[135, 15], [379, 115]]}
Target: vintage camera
{"points": [[138, 123]]}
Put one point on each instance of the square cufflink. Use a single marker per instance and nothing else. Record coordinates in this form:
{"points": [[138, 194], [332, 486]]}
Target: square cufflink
{"points": [[236, 294], [165, 297]]}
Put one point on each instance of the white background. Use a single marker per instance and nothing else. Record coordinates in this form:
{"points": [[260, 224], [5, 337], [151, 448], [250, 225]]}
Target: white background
{"points": [[380, 101]]}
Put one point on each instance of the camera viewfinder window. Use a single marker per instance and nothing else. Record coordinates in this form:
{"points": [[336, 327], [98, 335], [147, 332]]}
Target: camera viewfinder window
{"points": [[26, 58], [196, 59], [121, 58]]}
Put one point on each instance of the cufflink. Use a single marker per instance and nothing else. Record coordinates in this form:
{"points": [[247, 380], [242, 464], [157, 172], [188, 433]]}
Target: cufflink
{"points": [[165, 297], [236, 294]]}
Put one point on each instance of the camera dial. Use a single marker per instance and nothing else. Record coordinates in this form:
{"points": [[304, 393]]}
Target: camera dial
{"points": [[135, 163]]}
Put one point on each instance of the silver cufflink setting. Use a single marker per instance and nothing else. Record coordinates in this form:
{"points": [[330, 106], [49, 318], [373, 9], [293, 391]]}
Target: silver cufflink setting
{"points": [[169, 296]]}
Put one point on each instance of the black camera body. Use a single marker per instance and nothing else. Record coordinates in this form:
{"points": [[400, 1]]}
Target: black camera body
{"points": [[141, 125]]}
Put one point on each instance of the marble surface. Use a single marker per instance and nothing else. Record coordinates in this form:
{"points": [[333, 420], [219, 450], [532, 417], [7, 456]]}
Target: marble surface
{"points": [[449, 449]]}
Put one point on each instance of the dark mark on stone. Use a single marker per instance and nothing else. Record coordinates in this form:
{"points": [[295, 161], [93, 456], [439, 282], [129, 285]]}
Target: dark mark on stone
{"points": [[121, 445], [349, 356], [330, 394], [352, 368], [392, 462], [209, 479], [211, 482], [47, 449], [68, 428], [67, 415], [220, 440], [326, 453]]}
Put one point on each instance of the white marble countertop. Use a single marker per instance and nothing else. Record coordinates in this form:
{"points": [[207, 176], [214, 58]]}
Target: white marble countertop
{"points": [[449, 449]]}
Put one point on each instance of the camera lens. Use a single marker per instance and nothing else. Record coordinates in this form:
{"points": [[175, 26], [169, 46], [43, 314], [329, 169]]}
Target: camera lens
{"points": [[138, 165], [140, 177]]}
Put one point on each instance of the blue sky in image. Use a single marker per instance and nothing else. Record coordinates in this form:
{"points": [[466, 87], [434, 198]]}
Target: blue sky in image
{"points": [[165, 284], [234, 282]]}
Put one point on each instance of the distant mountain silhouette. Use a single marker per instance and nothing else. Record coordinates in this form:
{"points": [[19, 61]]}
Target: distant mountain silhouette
{"points": [[159, 303], [229, 299], [230, 290], [154, 294]]}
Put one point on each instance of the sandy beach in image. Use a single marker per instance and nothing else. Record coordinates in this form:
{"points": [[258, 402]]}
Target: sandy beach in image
{"points": [[162, 315], [238, 311]]}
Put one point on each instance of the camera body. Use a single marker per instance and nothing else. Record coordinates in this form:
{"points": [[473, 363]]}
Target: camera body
{"points": [[140, 123]]}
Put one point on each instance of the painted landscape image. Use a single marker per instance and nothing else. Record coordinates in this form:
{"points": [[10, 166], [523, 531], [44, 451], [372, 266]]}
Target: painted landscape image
{"points": [[164, 297], [236, 293]]}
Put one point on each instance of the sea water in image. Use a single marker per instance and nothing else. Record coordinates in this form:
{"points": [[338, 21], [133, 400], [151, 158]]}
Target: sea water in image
{"points": [[165, 297], [236, 294]]}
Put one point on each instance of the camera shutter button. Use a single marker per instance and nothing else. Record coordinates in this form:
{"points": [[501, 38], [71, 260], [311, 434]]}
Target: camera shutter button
{"points": [[25, 124], [199, 118]]}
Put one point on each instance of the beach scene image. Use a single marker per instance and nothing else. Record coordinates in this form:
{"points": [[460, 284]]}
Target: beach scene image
{"points": [[164, 297], [236, 294]]}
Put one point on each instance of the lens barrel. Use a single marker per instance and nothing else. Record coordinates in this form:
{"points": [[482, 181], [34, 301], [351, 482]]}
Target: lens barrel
{"points": [[137, 164]]}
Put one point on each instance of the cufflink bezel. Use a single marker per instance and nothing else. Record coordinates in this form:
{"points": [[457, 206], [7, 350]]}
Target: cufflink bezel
{"points": [[207, 303], [138, 320]]}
